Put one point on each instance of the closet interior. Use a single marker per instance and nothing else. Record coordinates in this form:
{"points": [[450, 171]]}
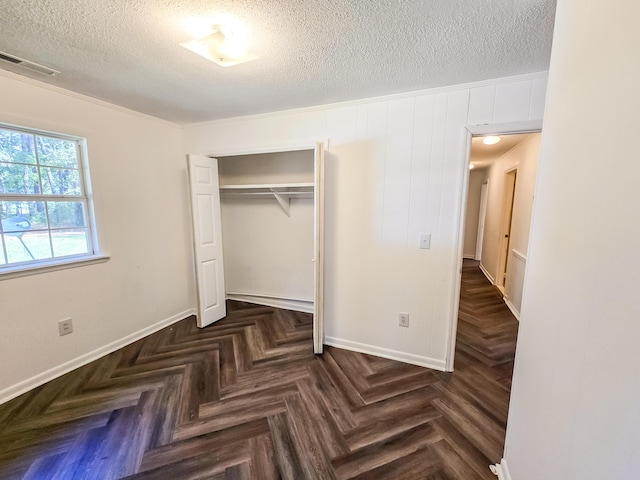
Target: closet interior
{"points": [[268, 231]]}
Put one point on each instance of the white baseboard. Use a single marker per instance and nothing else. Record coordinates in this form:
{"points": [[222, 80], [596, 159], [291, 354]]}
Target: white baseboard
{"points": [[469, 257], [55, 372], [502, 470], [276, 302], [512, 307], [487, 274], [419, 360]]}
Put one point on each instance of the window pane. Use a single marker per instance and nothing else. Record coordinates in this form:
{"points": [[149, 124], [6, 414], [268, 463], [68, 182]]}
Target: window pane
{"points": [[27, 246], [18, 178], [57, 152], [19, 217], [69, 242], [32, 166], [66, 214], [16, 147], [60, 181]]}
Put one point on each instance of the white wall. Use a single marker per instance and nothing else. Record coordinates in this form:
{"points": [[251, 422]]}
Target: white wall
{"points": [[395, 168], [524, 157], [575, 404], [267, 168], [267, 253], [476, 179], [138, 172]]}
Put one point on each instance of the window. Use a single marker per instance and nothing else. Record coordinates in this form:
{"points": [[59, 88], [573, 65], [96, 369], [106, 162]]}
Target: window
{"points": [[44, 206]]}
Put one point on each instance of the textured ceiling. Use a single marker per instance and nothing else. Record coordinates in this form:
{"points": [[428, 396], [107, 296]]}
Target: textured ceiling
{"points": [[311, 51]]}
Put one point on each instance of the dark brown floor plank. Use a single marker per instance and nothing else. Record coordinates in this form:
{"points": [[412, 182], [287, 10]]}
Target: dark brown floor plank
{"points": [[246, 398]]}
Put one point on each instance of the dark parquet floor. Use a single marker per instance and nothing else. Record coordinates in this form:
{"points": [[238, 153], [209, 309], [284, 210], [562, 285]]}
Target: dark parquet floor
{"points": [[247, 399]]}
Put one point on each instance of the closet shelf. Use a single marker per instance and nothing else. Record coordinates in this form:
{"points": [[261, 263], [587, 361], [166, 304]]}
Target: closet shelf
{"points": [[282, 192]]}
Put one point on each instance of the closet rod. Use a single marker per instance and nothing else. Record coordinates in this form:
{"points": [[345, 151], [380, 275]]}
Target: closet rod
{"points": [[251, 194]]}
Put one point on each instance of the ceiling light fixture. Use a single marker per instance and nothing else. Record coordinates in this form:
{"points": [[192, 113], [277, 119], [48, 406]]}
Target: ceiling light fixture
{"points": [[223, 45], [471, 166], [491, 140]]}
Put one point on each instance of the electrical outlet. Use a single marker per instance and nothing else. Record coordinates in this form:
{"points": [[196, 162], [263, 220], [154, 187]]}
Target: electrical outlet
{"points": [[65, 327], [403, 319]]}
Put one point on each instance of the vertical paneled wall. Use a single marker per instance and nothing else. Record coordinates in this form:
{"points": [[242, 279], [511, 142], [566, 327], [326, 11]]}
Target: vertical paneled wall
{"points": [[395, 168]]}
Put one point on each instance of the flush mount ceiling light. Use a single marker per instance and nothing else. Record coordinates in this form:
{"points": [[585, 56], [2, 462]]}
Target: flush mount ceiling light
{"points": [[223, 45], [490, 140]]}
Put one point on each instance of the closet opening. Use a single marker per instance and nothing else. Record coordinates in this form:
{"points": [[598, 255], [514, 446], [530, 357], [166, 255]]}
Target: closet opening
{"points": [[267, 208], [270, 217]]}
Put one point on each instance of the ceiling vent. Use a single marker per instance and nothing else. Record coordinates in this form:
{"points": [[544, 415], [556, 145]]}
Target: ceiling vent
{"points": [[35, 67]]}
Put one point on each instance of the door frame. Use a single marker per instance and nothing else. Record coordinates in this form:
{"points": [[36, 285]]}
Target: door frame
{"points": [[482, 217], [531, 126], [506, 220], [319, 254]]}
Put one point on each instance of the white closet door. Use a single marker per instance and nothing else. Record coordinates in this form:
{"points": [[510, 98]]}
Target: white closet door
{"points": [[207, 228], [318, 304]]}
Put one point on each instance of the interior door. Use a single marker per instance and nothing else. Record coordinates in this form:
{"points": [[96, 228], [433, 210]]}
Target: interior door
{"points": [[318, 304], [207, 235]]}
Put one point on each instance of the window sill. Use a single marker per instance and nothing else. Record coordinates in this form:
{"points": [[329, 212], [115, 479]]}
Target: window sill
{"points": [[51, 266]]}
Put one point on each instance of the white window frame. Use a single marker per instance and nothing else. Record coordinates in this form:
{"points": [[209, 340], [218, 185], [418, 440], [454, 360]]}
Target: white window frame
{"points": [[93, 255]]}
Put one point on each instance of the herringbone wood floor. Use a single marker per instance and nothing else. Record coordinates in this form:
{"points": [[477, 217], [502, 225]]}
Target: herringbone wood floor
{"points": [[247, 398]]}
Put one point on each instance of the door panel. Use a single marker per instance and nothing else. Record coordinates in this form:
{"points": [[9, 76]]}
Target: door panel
{"points": [[207, 227], [481, 220], [318, 304]]}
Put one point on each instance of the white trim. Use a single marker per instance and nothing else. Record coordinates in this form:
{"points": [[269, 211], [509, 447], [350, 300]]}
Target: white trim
{"points": [[469, 257], [527, 126], [501, 470], [52, 265], [419, 360], [459, 249], [318, 249], [55, 372], [519, 255], [482, 218], [298, 305], [512, 307], [85, 98], [487, 274], [383, 98]]}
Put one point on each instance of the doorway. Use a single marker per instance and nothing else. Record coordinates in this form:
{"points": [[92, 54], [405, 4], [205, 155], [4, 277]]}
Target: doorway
{"points": [[484, 245], [292, 182], [499, 199]]}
